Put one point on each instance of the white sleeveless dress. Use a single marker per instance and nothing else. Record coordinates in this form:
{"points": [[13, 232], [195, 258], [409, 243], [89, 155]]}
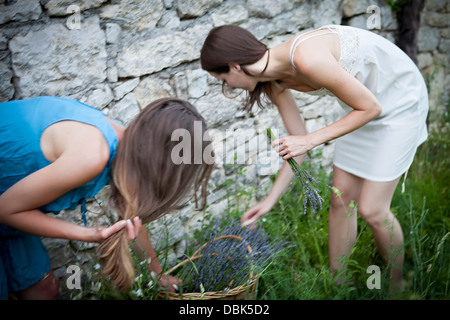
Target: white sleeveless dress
{"points": [[384, 148]]}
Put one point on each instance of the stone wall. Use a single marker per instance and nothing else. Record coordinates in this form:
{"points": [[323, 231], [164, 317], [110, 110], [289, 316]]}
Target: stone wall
{"points": [[119, 55], [434, 56]]}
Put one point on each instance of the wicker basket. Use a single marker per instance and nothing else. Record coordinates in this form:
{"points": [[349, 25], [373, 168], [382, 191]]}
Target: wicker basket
{"points": [[239, 292]]}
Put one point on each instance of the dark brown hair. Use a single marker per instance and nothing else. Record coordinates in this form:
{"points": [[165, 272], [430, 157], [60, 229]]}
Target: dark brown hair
{"points": [[146, 182], [233, 44]]}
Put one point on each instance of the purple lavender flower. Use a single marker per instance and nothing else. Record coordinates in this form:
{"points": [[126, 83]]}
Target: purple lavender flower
{"points": [[307, 182], [227, 263]]}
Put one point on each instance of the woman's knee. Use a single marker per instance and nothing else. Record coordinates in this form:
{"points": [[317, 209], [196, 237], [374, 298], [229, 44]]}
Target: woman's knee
{"points": [[45, 289], [373, 214], [343, 202], [337, 204], [51, 287], [345, 191], [375, 202]]}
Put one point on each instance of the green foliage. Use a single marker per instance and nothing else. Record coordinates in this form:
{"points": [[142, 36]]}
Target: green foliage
{"points": [[423, 212], [396, 5], [302, 272]]}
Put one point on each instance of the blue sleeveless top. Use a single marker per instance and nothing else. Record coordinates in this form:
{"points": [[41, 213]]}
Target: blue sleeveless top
{"points": [[22, 123]]}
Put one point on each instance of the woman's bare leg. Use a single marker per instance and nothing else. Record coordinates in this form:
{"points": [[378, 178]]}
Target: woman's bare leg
{"points": [[46, 289], [342, 221], [374, 207]]}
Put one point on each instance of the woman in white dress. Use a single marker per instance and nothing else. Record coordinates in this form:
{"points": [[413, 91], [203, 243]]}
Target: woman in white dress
{"points": [[386, 103]]}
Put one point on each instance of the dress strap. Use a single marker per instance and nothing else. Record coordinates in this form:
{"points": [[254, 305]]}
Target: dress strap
{"points": [[83, 210], [297, 42], [404, 181]]}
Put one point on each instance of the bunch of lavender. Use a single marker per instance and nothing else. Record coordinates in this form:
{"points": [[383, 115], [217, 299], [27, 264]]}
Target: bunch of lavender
{"points": [[227, 263], [308, 183]]}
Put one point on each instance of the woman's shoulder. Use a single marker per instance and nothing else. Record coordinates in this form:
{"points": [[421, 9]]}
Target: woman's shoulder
{"points": [[78, 141], [310, 49]]}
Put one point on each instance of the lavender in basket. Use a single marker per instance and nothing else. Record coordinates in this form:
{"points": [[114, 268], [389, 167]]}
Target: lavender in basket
{"points": [[308, 183], [227, 263]]}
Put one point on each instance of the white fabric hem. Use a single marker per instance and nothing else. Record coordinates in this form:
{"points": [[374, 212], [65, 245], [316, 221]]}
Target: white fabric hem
{"points": [[368, 177]]}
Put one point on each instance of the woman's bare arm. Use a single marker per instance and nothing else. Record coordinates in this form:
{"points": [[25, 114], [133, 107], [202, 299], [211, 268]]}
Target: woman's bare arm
{"points": [[321, 70], [18, 204], [144, 250], [294, 125]]}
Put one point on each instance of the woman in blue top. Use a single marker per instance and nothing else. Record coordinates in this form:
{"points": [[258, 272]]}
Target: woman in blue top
{"points": [[55, 153]]}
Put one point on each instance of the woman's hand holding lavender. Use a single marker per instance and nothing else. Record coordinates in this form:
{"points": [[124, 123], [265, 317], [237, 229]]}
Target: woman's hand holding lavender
{"points": [[292, 146], [309, 184]]}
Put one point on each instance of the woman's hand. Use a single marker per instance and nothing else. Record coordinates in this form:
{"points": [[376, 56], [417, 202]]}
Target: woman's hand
{"points": [[133, 227], [255, 212], [292, 146], [170, 283]]}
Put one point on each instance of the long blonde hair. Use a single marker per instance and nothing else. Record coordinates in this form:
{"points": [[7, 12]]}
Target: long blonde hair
{"points": [[146, 182]]}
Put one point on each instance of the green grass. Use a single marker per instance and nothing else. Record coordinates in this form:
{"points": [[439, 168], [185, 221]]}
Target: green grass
{"points": [[423, 212], [302, 273]]}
